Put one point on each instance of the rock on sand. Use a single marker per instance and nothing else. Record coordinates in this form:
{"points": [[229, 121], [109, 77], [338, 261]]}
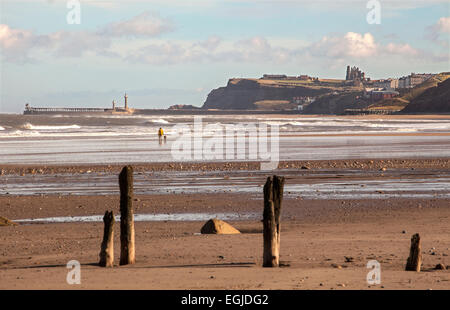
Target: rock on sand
{"points": [[5, 222], [216, 226]]}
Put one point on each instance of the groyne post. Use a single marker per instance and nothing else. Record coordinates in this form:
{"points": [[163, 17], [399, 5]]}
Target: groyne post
{"points": [[107, 247], [127, 247], [414, 261], [273, 196]]}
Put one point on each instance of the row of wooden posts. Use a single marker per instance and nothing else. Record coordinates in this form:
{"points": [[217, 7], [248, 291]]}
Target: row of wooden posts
{"points": [[273, 197]]}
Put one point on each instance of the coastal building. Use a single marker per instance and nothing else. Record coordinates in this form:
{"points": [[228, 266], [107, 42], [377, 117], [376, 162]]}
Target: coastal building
{"points": [[274, 76], [377, 95], [413, 79], [416, 79], [302, 77], [302, 101], [386, 84]]}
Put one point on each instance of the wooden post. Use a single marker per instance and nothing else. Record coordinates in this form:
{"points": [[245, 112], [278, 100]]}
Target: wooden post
{"points": [[127, 250], [273, 196], [414, 261], [107, 248]]}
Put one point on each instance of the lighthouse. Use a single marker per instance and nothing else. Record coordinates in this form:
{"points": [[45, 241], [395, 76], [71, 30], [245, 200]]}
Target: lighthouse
{"points": [[126, 101]]}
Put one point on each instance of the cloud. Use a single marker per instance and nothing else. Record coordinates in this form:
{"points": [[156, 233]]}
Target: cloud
{"points": [[350, 45], [24, 46], [210, 44], [143, 25], [19, 45], [401, 49], [163, 53], [356, 46], [441, 27], [15, 43], [213, 49], [76, 44]]}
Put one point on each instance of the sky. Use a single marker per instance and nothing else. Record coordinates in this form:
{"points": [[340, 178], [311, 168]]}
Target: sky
{"points": [[166, 52]]}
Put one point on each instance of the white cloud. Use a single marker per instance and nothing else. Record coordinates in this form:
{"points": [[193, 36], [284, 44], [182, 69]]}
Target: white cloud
{"points": [[444, 24], [210, 44], [23, 45], [251, 50], [20, 45], [354, 46], [75, 44], [164, 53], [15, 43], [146, 24], [439, 29], [401, 49], [350, 45]]}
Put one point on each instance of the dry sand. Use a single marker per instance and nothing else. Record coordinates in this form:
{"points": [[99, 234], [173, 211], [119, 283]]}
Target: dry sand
{"points": [[316, 236]]}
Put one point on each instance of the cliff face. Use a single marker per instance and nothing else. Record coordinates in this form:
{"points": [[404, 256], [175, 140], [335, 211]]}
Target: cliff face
{"points": [[241, 94], [336, 104], [433, 100]]}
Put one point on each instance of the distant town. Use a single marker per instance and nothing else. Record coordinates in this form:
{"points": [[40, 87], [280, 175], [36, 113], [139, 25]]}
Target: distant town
{"points": [[374, 90]]}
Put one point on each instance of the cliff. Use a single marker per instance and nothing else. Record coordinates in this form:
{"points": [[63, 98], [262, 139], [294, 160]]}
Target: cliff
{"points": [[337, 103], [433, 100], [248, 94], [427, 97]]}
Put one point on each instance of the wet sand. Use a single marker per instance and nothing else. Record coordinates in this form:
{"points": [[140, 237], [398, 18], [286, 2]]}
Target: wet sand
{"points": [[362, 164], [317, 235]]}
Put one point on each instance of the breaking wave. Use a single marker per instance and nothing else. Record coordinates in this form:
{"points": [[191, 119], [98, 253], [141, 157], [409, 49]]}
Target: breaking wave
{"points": [[159, 121], [45, 127]]}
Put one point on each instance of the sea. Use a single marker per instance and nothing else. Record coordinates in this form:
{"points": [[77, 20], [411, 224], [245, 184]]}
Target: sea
{"points": [[112, 139]]}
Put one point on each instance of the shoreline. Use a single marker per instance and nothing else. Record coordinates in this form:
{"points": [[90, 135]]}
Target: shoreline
{"points": [[360, 164], [201, 112]]}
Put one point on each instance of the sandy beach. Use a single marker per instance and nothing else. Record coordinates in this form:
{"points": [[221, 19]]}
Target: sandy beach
{"points": [[325, 243], [224, 148]]}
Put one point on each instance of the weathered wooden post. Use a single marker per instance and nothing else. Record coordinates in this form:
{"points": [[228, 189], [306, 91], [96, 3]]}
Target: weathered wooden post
{"points": [[273, 196], [127, 250], [414, 261], [107, 248]]}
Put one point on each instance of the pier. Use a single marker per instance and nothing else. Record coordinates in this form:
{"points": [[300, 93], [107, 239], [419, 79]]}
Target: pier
{"points": [[31, 110]]}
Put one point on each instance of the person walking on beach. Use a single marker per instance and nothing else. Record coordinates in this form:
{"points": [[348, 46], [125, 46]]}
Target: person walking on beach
{"points": [[160, 135]]}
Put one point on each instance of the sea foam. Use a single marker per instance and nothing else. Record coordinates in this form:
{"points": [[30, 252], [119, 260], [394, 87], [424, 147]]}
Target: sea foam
{"points": [[46, 127]]}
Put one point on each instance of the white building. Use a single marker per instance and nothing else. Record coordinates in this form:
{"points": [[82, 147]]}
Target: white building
{"points": [[413, 79], [387, 84]]}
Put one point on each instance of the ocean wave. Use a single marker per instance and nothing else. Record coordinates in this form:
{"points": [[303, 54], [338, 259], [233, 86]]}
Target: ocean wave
{"points": [[159, 121], [2, 128], [19, 133], [29, 126], [283, 123]]}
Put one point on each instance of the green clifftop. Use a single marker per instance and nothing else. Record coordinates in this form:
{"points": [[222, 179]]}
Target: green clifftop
{"points": [[254, 94]]}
